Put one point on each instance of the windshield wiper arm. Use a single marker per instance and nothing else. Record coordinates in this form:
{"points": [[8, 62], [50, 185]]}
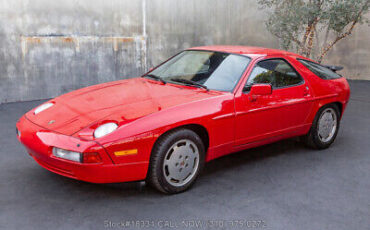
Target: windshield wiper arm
{"points": [[189, 82], [156, 78]]}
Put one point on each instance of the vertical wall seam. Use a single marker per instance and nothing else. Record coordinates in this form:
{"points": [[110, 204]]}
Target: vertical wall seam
{"points": [[144, 43]]}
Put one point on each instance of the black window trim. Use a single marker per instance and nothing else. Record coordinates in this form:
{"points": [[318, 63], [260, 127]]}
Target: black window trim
{"points": [[302, 59], [272, 87]]}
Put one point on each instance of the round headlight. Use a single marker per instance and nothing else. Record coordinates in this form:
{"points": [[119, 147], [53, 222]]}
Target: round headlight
{"points": [[43, 107], [105, 129]]}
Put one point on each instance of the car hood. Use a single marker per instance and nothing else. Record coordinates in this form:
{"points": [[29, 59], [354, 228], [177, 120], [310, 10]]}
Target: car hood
{"points": [[121, 101]]}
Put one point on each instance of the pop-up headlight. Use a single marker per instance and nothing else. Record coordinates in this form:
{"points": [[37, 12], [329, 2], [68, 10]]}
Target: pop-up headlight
{"points": [[105, 129], [42, 107]]}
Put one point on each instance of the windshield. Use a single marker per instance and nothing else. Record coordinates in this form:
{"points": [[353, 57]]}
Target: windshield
{"points": [[212, 70]]}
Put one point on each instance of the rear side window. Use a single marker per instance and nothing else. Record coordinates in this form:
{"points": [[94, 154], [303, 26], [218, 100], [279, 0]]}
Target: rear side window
{"points": [[276, 72], [319, 70]]}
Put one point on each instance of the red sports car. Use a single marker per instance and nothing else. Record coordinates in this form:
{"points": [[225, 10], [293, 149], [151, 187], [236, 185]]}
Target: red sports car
{"points": [[203, 103]]}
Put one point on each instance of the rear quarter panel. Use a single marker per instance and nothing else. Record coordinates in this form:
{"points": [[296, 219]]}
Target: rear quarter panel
{"points": [[324, 91]]}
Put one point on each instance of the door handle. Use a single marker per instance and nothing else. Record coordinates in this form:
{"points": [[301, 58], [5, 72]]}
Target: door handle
{"points": [[252, 98]]}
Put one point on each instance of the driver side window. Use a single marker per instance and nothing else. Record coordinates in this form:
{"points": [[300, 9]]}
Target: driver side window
{"points": [[276, 72]]}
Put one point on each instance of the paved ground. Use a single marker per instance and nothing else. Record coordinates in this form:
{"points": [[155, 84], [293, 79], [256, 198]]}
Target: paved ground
{"points": [[284, 184]]}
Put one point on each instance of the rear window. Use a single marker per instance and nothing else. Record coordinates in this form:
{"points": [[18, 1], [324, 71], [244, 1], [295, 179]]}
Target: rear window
{"points": [[319, 70]]}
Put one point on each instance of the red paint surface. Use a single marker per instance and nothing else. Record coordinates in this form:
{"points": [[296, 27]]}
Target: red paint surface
{"points": [[145, 109]]}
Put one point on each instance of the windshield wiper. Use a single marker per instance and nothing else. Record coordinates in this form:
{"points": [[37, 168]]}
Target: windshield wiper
{"points": [[189, 82], [156, 78]]}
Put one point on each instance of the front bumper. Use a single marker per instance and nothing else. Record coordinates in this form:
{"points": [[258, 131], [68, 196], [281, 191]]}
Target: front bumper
{"points": [[40, 141]]}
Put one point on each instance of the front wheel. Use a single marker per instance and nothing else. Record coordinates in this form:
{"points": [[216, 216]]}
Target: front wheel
{"points": [[324, 128], [176, 161]]}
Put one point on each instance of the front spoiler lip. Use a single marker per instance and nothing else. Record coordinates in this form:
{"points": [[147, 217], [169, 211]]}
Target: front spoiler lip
{"points": [[47, 166]]}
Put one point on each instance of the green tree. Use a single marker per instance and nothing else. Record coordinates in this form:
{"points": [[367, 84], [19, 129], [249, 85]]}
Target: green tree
{"points": [[301, 24]]}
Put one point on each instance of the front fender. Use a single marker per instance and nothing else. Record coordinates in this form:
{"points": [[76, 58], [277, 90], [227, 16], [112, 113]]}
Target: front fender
{"points": [[139, 136]]}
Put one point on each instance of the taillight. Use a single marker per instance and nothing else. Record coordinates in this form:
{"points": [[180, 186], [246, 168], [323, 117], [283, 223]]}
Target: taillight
{"points": [[91, 158]]}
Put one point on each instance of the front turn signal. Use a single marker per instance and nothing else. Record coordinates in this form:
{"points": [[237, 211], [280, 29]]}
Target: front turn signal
{"points": [[91, 158]]}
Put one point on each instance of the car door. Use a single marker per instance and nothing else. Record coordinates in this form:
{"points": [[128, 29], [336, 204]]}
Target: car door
{"points": [[284, 110]]}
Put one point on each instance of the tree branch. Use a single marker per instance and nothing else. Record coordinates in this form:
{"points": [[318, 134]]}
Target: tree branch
{"points": [[311, 38], [326, 49], [308, 31]]}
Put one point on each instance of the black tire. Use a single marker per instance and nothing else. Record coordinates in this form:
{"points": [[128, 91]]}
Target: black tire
{"points": [[156, 175], [312, 139]]}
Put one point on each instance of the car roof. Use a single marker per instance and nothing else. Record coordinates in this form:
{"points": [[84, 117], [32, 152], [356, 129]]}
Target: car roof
{"points": [[248, 50]]}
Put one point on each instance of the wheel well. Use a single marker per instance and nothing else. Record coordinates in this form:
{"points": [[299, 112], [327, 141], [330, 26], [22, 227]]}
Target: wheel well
{"points": [[340, 107], [338, 104], [198, 129]]}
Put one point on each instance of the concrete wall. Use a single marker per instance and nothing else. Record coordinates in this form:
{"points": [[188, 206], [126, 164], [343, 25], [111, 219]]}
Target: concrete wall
{"points": [[51, 47]]}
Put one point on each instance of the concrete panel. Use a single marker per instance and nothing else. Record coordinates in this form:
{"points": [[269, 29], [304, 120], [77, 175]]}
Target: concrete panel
{"points": [[47, 49], [85, 18], [55, 65]]}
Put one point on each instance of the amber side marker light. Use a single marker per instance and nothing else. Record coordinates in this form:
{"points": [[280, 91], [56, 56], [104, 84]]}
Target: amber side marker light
{"points": [[126, 152]]}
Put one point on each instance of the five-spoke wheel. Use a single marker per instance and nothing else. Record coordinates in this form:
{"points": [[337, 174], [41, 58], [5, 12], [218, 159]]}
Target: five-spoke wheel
{"points": [[181, 162], [327, 125], [324, 128], [176, 161]]}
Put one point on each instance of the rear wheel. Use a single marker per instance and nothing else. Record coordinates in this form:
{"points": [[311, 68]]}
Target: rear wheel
{"points": [[324, 129], [176, 161]]}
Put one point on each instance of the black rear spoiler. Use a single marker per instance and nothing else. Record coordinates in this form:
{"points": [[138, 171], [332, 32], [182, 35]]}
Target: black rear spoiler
{"points": [[333, 67]]}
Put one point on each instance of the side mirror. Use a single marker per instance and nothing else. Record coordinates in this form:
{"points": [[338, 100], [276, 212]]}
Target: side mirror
{"points": [[259, 90]]}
